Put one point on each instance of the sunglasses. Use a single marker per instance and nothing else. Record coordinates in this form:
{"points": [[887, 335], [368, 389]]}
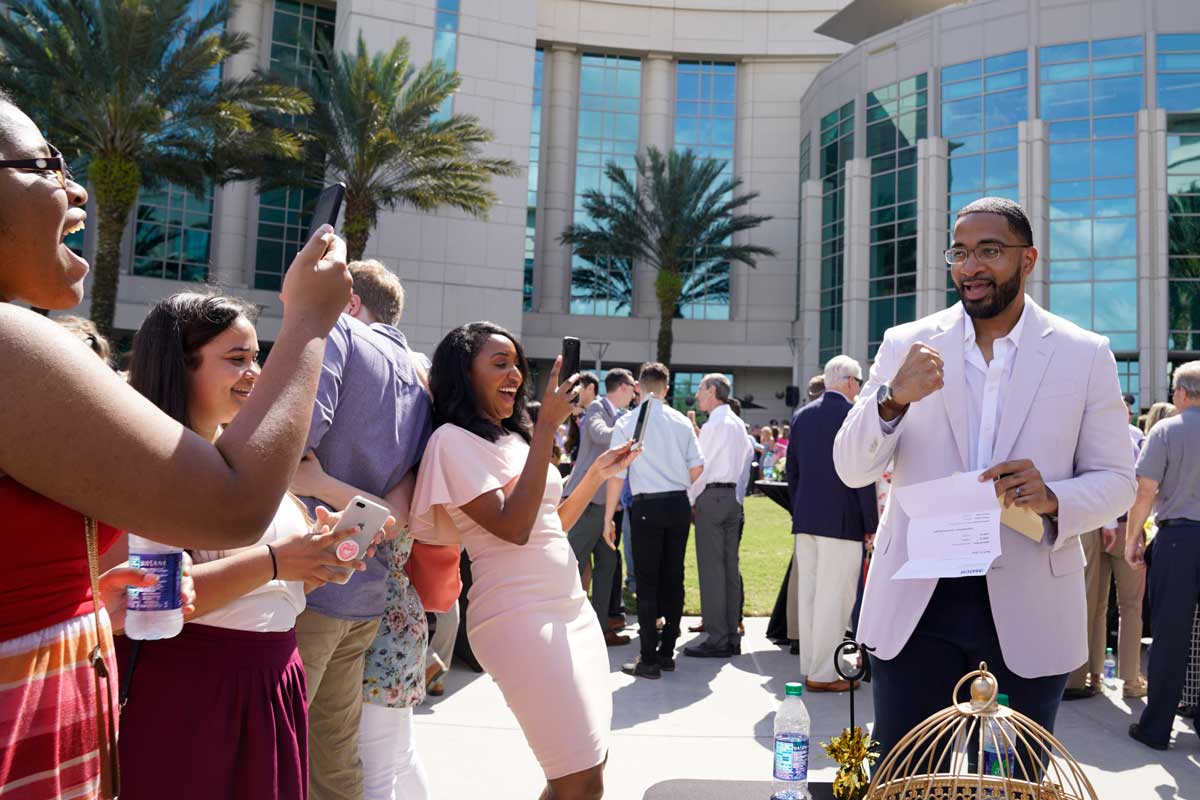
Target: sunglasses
{"points": [[54, 163]]}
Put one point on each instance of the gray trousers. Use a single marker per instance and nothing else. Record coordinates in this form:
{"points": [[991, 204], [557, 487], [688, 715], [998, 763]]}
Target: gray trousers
{"points": [[587, 540], [718, 517]]}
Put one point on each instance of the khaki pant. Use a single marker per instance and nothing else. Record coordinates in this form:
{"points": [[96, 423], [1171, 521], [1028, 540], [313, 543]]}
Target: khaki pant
{"points": [[1102, 568], [333, 651]]}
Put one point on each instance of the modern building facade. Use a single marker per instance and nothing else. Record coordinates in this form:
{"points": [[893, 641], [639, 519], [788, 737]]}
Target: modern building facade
{"points": [[860, 149]]}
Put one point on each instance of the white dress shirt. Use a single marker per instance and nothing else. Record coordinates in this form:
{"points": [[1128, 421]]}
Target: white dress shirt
{"points": [[670, 450], [987, 388], [726, 449]]}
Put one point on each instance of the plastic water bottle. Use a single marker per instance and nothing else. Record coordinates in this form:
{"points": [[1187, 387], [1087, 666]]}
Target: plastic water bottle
{"points": [[791, 747], [154, 612], [1110, 669], [998, 755]]}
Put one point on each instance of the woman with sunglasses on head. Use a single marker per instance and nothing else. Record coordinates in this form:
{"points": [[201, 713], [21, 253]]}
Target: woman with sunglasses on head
{"points": [[78, 444], [487, 480]]}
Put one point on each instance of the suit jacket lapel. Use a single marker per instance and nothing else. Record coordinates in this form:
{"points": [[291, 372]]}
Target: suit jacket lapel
{"points": [[1033, 356], [948, 341]]}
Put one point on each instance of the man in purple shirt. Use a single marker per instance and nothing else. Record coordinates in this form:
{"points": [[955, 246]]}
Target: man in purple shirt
{"points": [[369, 427]]}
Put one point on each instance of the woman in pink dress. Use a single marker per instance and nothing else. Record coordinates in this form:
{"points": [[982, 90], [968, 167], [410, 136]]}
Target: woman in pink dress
{"points": [[487, 480]]}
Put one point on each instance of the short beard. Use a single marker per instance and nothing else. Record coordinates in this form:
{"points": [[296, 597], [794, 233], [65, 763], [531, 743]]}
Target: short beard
{"points": [[1003, 297]]}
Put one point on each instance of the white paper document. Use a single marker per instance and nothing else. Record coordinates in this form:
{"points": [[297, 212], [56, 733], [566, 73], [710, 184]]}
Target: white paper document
{"points": [[953, 527]]}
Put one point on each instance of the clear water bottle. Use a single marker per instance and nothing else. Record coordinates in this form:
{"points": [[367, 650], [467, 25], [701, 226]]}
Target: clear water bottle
{"points": [[998, 755], [791, 747], [1110, 669], [156, 611]]}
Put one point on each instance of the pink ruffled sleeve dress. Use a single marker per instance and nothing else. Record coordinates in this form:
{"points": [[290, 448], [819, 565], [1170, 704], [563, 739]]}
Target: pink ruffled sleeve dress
{"points": [[529, 621]]}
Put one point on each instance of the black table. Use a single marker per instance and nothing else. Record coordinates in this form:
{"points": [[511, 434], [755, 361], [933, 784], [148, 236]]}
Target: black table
{"points": [[777, 491], [688, 789]]}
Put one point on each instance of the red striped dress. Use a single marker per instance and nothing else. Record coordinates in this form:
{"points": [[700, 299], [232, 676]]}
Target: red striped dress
{"points": [[48, 724]]}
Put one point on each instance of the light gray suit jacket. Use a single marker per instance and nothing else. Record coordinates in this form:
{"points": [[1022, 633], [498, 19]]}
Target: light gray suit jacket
{"points": [[1063, 410], [595, 432]]}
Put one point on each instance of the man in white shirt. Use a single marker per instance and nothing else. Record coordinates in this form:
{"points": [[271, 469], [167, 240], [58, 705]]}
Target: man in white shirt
{"points": [[660, 518], [994, 383], [718, 515]]}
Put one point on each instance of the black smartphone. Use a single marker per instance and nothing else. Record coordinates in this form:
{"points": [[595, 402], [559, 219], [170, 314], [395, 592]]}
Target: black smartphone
{"points": [[570, 357], [329, 205], [639, 429]]}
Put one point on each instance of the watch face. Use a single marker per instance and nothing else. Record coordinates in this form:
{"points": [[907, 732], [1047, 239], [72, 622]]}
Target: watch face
{"points": [[883, 394]]}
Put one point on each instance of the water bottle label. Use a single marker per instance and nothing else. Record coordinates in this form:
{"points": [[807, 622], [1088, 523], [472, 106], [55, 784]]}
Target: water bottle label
{"points": [[1110, 670], [791, 757], [997, 764], [164, 595]]}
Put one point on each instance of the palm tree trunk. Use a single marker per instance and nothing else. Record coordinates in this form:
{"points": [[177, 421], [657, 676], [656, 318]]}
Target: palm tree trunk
{"points": [[360, 219], [115, 182], [668, 285]]}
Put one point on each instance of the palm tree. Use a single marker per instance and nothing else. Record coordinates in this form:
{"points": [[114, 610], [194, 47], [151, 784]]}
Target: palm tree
{"points": [[375, 122], [132, 89], [678, 218]]}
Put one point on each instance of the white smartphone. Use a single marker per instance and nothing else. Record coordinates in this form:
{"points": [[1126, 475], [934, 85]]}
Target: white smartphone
{"points": [[368, 517]]}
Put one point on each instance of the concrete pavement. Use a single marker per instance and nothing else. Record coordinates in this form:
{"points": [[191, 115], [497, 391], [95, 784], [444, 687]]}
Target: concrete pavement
{"points": [[711, 720]]}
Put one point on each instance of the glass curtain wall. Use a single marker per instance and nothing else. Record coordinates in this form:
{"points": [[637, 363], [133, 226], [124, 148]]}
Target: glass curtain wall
{"points": [[705, 117], [837, 147], [445, 47], [896, 120], [1090, 95], [982, 102], [610, 90], [284, 213], [1178, 57], [531, 194]]}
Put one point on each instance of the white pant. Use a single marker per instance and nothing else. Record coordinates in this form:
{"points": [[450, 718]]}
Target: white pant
{"points": [[826, 573], [392, 769]]}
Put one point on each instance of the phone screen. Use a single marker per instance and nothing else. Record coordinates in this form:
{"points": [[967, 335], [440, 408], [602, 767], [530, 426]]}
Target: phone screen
{"points": [[329, 205]]}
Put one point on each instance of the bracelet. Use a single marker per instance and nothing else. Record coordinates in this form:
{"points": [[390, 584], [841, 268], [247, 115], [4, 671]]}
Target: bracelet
{"points": [[274, 563]]}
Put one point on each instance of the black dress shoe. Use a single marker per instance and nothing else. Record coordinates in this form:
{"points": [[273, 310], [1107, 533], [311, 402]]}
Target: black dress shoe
{"points": [[1080, 694], [666, 663], [706, 650], [640, 669], [794, 649], [1135, 732]]}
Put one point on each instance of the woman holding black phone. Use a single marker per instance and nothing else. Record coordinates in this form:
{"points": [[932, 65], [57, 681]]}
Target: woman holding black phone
{"points": [[487, 480]]}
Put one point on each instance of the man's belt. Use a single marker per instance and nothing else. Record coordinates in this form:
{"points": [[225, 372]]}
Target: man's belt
{"points": [[660, 495], [721, 486], [1171, 523]]}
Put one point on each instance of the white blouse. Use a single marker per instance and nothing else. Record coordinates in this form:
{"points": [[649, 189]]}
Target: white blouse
{"points": [[274, 606]]}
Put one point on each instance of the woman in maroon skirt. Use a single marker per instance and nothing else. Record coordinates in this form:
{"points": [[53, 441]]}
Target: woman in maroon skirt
{"points": [[219, 710]]}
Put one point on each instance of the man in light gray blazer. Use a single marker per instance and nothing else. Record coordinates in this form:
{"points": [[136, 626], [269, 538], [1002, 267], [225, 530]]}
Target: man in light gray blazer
{"points": [[994, 383], [586, 537]]}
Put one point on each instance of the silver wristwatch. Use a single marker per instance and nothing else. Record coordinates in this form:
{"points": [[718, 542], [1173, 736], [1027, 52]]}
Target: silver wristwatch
{"points": [[883, 395]]}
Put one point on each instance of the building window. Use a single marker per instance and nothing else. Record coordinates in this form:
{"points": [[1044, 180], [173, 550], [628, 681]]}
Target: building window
{"points": [[705, 119], [982, 102], [805, 171], [684, 386], [445, 47], [173, 234], [535, 149], [896, 120], [1128, 373], [610, 89], [837, 147], [1090, 95], [1178, 71], [1183, 231], [284, 214]]}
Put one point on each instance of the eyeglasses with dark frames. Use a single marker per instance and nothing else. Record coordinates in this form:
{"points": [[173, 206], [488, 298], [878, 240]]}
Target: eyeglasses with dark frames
{"points": [[985, 253], [54, 163]]}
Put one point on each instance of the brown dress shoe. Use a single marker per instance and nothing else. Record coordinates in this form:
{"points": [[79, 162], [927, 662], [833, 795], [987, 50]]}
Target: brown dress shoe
{"points": [[696, 628], [616, 623], [613, 639], [830, 686]]}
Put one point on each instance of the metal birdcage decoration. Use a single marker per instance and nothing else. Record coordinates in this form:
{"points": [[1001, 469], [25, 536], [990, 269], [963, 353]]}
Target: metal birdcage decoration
{"points": [[977, 750]]}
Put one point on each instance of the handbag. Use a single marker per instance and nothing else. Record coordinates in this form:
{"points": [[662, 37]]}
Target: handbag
{"points": [[106, 723]]}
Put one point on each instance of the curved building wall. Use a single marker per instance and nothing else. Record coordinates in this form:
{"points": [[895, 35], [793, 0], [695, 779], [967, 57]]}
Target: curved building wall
{"points": [[1085, 112]]}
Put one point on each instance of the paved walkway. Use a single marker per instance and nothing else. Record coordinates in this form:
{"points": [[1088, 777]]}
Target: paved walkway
{"points": [[712, 720]]}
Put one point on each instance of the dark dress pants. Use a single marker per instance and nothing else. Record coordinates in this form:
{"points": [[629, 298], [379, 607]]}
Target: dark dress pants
{"points": [[659, 528], [1174, 591], [955, 633], [616, 602]]}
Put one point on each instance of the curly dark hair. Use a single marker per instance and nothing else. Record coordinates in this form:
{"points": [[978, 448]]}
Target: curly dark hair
{"points": [[454, 399], [165, 347]]}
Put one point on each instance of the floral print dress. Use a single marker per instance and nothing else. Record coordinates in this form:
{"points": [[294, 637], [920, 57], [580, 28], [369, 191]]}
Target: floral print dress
{"points": [[394, 676]]}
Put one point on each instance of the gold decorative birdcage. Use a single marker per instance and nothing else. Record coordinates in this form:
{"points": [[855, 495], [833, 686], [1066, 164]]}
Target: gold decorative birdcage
{"points": [[979, 750]]}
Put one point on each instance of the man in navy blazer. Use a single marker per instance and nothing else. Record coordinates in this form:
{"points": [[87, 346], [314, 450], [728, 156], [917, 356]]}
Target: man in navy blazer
{"points": [[830, 521]]}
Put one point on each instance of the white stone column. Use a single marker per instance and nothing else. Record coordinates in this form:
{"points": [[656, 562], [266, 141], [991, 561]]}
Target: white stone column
{"points": [[856, 273], [558, 199], [235, 205], [810, 280], [655, 128], [1033, 187], [932, 166], [1153, 299]]}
